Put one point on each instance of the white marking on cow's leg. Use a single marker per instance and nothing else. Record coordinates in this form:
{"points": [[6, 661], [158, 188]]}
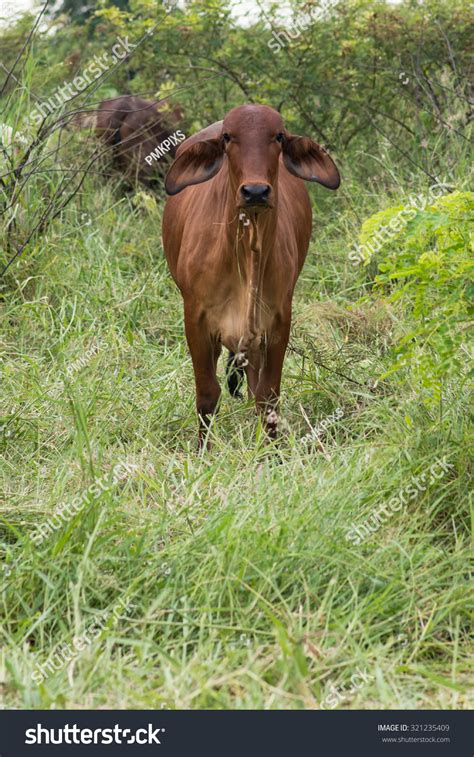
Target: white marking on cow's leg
{"points": [[272, 417], [272, 421]]}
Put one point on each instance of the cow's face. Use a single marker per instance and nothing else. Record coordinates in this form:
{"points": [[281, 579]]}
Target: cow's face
{"points": [[251, 139]]}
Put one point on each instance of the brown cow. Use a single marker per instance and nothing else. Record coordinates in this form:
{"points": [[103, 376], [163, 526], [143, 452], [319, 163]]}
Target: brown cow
{"points": [[134, 128], [236, 244]]}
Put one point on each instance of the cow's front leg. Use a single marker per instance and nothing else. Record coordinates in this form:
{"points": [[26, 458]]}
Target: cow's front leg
{"points": [[252, 370], [267, 395], [205, 350]]}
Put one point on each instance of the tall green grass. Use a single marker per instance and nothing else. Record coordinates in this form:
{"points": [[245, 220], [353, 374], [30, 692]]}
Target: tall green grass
{"points": [[241, 588]]}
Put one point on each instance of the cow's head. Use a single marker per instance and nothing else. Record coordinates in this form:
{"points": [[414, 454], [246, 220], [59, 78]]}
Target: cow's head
{"points": [[252, 138]]}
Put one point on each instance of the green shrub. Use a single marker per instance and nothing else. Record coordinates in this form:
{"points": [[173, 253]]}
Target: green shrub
{"points": [[430, 262]]}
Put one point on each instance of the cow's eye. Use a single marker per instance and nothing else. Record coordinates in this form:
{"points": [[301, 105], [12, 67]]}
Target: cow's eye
{"points": [[226, 137], [279, 137]]}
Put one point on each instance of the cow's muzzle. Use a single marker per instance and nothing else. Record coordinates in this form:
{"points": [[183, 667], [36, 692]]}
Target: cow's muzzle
{"points": [[255, 195]]}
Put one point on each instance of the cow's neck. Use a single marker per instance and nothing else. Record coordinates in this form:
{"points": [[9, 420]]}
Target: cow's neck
{"points": [[254, 241], [255, 279]]}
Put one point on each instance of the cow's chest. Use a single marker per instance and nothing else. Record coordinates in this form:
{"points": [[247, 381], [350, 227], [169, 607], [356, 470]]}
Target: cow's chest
{"points": [[229, 319]]}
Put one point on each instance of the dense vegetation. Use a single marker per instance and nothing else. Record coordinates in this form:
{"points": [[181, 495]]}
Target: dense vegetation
{"points": [[240, 580]]}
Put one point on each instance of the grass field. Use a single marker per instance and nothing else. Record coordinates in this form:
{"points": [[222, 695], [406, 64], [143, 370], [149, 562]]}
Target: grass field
{"points": [[239, 587]]}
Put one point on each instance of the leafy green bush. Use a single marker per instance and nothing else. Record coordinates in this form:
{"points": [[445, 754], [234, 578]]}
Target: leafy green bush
{"points": [[430, 261]]}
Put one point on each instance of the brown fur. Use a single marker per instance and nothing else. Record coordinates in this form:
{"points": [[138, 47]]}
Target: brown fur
{"points": [[133, 127], [236, 263]]}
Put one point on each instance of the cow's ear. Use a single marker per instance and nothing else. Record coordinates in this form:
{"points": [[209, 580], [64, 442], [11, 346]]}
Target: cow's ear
{"points": [[309, 161], [199, 162]]}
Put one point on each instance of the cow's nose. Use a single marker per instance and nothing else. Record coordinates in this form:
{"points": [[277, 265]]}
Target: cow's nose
{"points": [[255, 194]]}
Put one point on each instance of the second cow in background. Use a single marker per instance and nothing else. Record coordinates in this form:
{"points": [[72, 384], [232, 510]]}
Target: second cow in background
{"points": [[134, 128]]}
